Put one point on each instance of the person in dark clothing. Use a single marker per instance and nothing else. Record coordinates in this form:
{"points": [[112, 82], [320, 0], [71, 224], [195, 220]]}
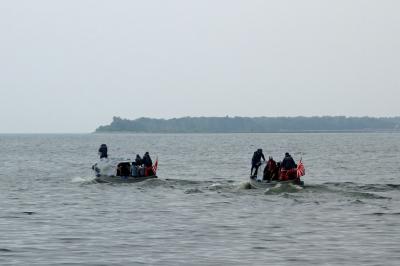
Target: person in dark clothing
{"points": [[288, 162], [147, 160], [138, 160], [103, 151], [256, 162], [148, 165]]}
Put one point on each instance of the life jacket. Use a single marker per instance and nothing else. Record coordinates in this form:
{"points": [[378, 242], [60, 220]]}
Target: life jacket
{"points": [[148, 171], [286, 175]]}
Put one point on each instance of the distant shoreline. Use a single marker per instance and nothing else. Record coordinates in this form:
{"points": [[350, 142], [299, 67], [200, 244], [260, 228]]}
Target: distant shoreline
{"points": [[215, 125], [194, 133]]}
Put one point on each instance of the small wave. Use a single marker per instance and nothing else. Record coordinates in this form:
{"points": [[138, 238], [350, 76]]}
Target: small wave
{"points": [[193, 191], [152, 182], [384, 213], [259, 248], [82, 179], [5, 250], [29, 213], [352, 190], [283, 188], [185, 182], [366, 187], [365, 195], [245, 185], [191, 185], [188, 186], [70, 240], [381, 187], [358, 201], [216, 186]]}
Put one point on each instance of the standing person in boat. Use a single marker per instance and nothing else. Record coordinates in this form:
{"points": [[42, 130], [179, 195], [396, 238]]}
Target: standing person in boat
{"points": [[288, 162], [148, 164], [103, 151], [256, 162]]}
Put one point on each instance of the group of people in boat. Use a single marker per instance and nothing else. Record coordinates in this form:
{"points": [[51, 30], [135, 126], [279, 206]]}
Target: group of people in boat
{"points": [[274, 171], [142, 166]]}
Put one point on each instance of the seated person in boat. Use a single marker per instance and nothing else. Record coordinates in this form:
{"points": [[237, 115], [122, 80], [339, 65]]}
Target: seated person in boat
{"points": [[271, 170], [288, 162], [148, 165], [137, 166], [278, 170], [288, 168], [256, 162], [103, 151]]}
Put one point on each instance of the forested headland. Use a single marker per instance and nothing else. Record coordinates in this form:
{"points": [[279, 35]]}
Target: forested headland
{"points": [[253, 124]]}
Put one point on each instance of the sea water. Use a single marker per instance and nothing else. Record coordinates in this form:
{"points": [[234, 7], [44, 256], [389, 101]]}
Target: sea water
{"points": [[200, 211]]}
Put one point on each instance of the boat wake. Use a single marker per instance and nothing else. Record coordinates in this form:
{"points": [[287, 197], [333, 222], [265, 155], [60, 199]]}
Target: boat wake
{"points": [[346, 191], [342, 190]]}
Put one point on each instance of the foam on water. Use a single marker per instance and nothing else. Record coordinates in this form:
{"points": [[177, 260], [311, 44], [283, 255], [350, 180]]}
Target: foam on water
{"points": [[83, 179], [283, 188]]}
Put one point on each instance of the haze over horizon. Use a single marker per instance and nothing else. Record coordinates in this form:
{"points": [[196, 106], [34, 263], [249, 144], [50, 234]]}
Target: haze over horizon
{"points": [[70, 66]]}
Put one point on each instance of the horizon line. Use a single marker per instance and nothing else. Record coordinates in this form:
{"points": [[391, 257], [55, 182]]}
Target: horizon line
{"points": [[263, 116]]}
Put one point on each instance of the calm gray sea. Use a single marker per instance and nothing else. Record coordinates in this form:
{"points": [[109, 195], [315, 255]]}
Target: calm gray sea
{"points": [[199, 211]]}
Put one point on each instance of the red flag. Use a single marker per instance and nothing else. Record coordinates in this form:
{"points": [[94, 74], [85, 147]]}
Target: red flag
{"points": [[300, 169]]}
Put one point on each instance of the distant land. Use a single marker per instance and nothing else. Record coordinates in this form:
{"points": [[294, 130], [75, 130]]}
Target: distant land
{"points": [[253, 124]]}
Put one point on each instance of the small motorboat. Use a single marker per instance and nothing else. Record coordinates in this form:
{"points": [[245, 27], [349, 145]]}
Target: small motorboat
{"points": [[268, 171], [122, 171]]}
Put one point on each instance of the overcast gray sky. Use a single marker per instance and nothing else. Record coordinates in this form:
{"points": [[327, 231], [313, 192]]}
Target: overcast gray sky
{"points": [[70, 66]]}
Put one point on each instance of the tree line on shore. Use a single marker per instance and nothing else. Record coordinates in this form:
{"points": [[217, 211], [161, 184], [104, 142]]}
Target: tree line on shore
{"points": [[253, 124]]}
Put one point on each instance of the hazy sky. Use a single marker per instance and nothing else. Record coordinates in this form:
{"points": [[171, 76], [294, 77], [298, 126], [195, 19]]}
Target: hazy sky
{"points": [[70, 66]]}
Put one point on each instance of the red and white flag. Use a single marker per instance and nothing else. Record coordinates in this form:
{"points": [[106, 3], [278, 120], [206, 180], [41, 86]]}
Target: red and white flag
{"points": [[155, 166], [300, 169]]}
